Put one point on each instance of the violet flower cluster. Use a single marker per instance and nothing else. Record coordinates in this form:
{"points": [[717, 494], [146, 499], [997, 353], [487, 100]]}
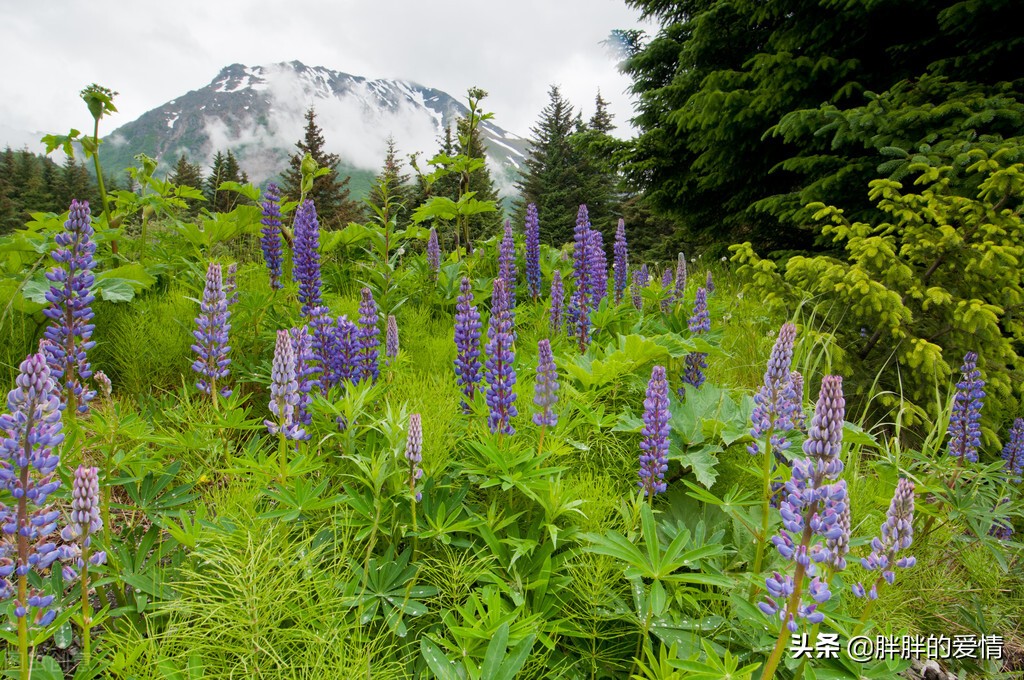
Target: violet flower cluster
{"points": [[815, 501], [774, 401], [1013, 452], [305, 373], [667, 291], [680, 276], [85, 522], [546, 387], [433, 252], [709, 284], [306, 256], [699, 322], [284, 390], [620, 262], [231, 284], [211, 334], [507, 263], [965, 421], [414, 454], [581, 251], [106, 388], [654, 446], [70, 333], [639, 283], [580, 315], [500, 373], [467, 343], [391, 337], [598, 263], [28, 465], [368, 338], [897, 535], [557, 301], [270, 235], [532, 228]]}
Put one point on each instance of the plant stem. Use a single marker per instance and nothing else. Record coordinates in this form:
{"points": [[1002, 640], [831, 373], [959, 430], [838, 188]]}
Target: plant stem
{"points": [[540, 444], [282, 452], [23, 548], [86, 608], [762, 539], [99, 181], [863, 620]]}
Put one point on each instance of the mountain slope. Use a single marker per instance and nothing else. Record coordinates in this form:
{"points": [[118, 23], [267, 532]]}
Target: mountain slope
{"points": [[257, 112]]}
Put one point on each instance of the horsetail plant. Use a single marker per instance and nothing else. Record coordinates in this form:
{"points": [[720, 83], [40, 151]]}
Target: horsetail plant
{"points": [[467, 343], [501, 373], [211, 334], [532, 229], [811, 513], [70, 333], [270, 235], [654, 446], [85, 523], [28, 465]]}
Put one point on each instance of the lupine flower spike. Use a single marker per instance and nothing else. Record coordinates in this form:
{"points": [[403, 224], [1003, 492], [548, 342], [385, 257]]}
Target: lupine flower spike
{"points": [[696, 362], [306, 371], [581, 251], [433, 252], [306, 256], [965, 421], [467, 343], [501, 373], [270, 235], [557, 301], [507, 263], [104, 387], [546, 387], [709, 284], [638, 286], [1013, 452], [391, 337], [414, 455], [654, 446], [667, 292], [811, 517], [598, 264], [369, 338], [532, 228], [284, 391], [620, 264], [28, 464], [70, 334], [897, 535], [680, 276], [85, 522], [211, 336]]}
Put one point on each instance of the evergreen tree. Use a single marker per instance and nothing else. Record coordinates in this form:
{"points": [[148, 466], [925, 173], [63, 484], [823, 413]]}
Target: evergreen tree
{"points": [[400, 192], [330, 192], [224, 169], [482, 225], [186, 174]]}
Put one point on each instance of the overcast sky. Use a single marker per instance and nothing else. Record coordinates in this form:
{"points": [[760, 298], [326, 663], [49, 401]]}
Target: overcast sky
{"points": [[153, 52]]}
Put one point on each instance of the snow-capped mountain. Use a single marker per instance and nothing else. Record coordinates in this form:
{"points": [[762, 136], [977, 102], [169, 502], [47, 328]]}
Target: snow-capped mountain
{"points": [[258, 113]]}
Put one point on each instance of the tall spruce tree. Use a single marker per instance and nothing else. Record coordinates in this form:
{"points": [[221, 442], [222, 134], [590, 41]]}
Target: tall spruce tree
{"points": [[330, 193], [224, 169], [399, 191], [188, 174]]}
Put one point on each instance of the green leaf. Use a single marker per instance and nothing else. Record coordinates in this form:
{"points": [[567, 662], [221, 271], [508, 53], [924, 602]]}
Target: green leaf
{"points": [[703, 462], [115, 290], [437, 661]]}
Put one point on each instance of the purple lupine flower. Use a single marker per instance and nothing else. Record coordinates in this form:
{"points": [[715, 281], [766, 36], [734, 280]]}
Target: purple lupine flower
{"points": [[696, 362], [667, 292], [414, 454], [638, 286], [106, 389], [621, 261], [347, 349], [581, 251], [645, 276], [580, 315], [816, 501], [391, 337], [467, 342], [597, 262], [306, 371], [773, 403], [28, 465], [70, 334], [680, 276], [322, 329], [231, 284], [306, 256], [654, 447], [546, 388], [85, 520], [433, 252], [284, 390], [709, 284], [507, 263], [796, 380], [965, 421], [532, 228], [897, 534], [557, 301], [1002, 528], [211, 335], [839, 546], [500, 374], [369, 338], [1013, 452], [270, 235]]}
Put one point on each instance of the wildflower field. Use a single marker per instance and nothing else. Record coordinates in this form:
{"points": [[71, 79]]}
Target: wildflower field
{"points": [[236, 445]]}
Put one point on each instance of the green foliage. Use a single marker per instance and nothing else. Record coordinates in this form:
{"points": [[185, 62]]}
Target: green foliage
{"points": [[939, 277]]}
